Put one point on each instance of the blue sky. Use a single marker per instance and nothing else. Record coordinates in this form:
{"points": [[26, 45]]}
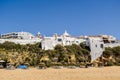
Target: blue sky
{"points": [[78, 17]]}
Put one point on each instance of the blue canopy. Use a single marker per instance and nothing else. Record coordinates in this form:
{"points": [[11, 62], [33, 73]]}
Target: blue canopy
{"points": [[22, 67]]}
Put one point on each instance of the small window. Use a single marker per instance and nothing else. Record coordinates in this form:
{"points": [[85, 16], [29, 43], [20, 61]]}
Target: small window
{"points": [[112, 41], [96, 45], [59, 40], [101, 46], [77, 41]]}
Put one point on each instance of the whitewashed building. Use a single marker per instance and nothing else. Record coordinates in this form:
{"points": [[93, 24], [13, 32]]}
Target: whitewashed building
{"points": [[110, 41], [97, 43], [20, 38], [65, 39]]}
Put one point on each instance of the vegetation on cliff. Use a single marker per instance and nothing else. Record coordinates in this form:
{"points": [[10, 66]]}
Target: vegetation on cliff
{"points": [[33, 55]]}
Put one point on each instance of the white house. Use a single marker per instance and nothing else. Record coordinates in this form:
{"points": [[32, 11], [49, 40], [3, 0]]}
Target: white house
{"points": [[20, 38], [96, 45], [65, 39]]}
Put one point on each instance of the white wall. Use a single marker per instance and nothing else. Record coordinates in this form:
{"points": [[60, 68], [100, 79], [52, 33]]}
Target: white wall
{"points": [[21, 41], [51, 42], [95, 47]]}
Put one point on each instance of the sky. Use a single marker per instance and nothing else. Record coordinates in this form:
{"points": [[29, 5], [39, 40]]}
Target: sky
{"points": [[78, 17]]}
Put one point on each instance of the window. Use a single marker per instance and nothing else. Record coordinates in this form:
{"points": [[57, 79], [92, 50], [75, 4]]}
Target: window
{"points": [[101, 46], [77, 41], [112, 41], [96, 45], [59, 40]]}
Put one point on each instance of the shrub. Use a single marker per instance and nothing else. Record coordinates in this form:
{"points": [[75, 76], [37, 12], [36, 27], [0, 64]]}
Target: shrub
{"points": [[110, 64]]}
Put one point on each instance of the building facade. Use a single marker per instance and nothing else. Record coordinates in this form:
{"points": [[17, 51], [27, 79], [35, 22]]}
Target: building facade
{"points": [[65, 39], [20, 38], [97, 44]]}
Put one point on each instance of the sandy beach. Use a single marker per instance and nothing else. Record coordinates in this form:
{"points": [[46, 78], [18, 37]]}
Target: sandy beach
{"points": [[104, 73]]}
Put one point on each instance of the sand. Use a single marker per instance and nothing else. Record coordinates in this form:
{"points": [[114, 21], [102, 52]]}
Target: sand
{"points": [[104, 73]]}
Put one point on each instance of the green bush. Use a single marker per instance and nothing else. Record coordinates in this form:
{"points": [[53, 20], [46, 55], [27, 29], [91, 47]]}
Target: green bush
{"points": [[117, 63], [110, 64]]}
